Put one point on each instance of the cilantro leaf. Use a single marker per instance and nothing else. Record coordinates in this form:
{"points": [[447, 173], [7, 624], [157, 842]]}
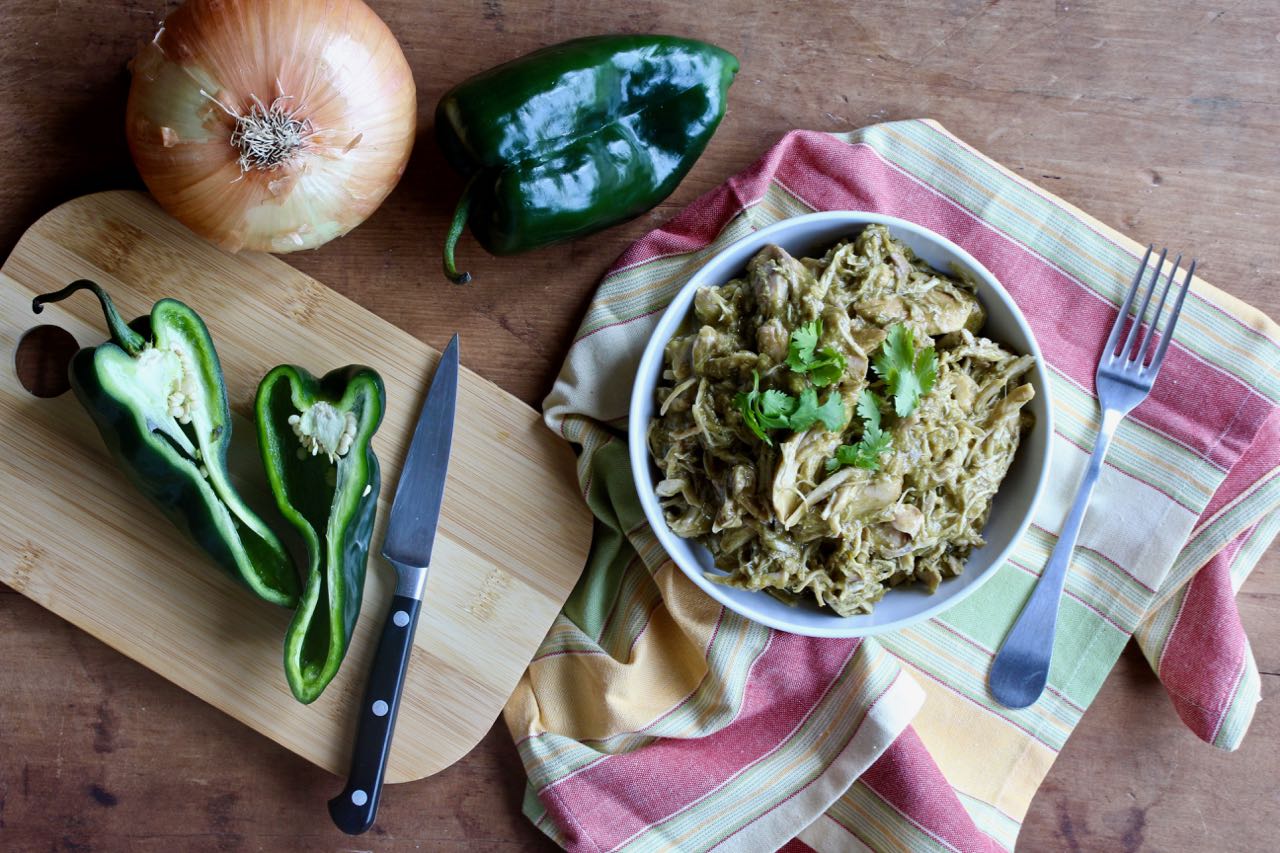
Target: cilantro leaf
{"points": [[772, 409], [804, 341], [909, 375], [832, 413], [762, 412], [926, 369], [808, 412], [869, 409], [865, 454], [874, 442], [748, 404], [825, 366], [776, 408]]}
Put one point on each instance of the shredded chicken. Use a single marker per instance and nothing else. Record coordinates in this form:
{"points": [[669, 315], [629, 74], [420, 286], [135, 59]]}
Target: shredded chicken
{"points": [[775, 516]]}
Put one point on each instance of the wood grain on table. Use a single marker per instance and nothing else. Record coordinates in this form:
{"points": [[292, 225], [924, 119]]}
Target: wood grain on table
{"points": [[1158, 118]]}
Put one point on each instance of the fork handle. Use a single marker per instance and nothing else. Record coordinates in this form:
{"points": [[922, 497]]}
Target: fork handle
{"points": [[1021, 667]]}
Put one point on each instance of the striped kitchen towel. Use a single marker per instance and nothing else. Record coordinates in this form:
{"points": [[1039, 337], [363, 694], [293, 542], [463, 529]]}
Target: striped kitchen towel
{"points": [[652, 719]]}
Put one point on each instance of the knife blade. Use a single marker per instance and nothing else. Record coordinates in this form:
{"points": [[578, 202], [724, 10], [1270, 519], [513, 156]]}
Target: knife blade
{"points": [[411, 532]]}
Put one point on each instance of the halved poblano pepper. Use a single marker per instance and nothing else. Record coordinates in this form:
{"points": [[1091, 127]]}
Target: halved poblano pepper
{"points": [[156, 393], [315, 436]]}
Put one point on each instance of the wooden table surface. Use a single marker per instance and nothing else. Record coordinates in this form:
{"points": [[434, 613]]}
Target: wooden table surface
{"points": [[1160, 119]]}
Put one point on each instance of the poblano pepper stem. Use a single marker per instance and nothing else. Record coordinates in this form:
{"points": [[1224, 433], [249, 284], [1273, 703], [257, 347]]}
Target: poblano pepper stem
{"points": [[316, 436], [578, 136], [160, 404], [459, 222], [125, 338]]}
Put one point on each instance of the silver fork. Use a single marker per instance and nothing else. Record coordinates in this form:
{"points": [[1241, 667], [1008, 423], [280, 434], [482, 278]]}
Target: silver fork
{"points": [[1125, 376]]}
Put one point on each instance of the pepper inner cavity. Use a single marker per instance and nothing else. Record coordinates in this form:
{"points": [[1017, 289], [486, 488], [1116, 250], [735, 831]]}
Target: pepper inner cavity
{"points": [[325, 434], [165, 375], [323, 429]]}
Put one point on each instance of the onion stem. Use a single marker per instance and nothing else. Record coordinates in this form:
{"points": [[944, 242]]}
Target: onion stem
{"points": [[268, 136]]}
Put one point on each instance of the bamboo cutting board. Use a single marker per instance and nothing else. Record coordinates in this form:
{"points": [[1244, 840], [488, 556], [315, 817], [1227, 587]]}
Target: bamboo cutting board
{"points": [[76, 538]]}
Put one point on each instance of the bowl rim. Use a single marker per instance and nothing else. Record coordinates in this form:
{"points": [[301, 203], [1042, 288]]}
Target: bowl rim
{"points": [[638, 450]]}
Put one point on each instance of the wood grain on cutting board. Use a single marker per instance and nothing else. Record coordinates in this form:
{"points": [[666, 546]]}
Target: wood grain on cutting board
{"points": [[78, 539]]}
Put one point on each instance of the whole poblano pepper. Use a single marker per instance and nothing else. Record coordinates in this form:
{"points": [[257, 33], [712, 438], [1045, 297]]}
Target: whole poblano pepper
{"points": [[156, 393], [315, 436], [578, 136]]}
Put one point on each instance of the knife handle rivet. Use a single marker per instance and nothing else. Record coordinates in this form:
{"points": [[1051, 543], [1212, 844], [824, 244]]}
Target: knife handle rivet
{"points": [[359, 797], [400, 618], [379, 708]]}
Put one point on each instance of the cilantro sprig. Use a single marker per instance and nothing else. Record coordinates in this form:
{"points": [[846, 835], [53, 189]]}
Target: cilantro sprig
{"points": [[824, 367], [764, 411], [808, 412], [874, 442], [908, 374], [772, 409]]}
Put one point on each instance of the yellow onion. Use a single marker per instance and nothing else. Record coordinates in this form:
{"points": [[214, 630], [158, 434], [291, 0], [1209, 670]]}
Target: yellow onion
{"points": [[271, 125]]}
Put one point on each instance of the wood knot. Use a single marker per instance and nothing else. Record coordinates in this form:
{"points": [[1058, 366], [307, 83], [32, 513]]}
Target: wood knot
{"points": [[113, 244], [494, 586], [29, 556], [306, 303]]}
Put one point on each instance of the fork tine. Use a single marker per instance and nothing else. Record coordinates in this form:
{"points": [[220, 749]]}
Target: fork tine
{"points": [[1116, 327], [1167, 334], [1146, 343], [1135, 331]]}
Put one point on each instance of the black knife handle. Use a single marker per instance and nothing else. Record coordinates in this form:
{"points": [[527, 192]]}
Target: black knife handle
{"points": [[355, 808]]}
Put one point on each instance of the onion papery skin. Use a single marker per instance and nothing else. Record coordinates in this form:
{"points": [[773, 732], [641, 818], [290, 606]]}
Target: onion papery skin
{"points": [[332, 64]]}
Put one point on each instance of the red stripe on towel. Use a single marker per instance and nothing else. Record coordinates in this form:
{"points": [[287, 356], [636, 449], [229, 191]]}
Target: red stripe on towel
{"points": [[624, 794], [907, 778]]}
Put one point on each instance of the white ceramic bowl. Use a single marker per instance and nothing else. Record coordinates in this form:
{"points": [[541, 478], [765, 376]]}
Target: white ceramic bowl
{"points": [[1014, 504]]}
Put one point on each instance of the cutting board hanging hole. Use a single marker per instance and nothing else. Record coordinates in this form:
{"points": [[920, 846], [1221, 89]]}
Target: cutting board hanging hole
{"points": [[41, 360]]}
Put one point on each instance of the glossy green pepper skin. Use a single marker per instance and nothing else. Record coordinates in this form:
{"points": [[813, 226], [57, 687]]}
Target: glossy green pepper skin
{"points": [[315, 436], [578, 136], [156, 393]]}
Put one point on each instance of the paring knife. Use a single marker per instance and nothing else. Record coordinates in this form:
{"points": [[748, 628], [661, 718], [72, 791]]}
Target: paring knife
{"points": [[410, 534]]}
